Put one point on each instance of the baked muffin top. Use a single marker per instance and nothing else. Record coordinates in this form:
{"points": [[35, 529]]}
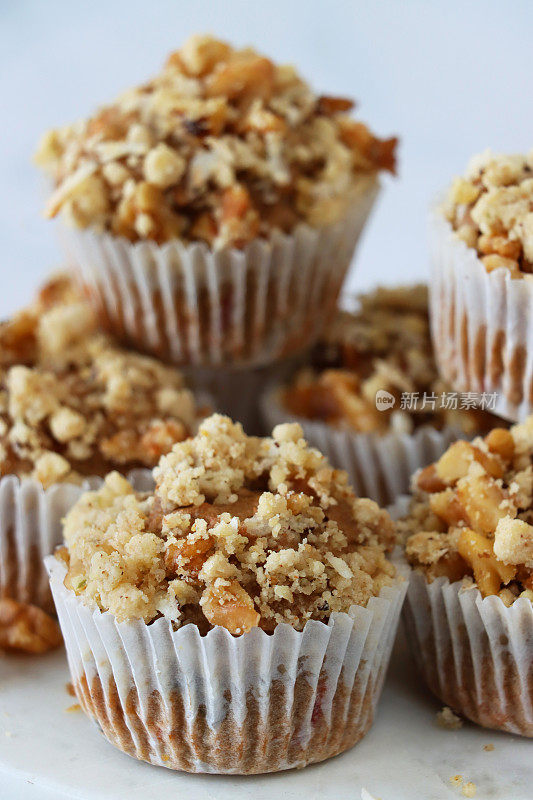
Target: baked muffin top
{"points": [[239, 532], [221, 146], [73, 403], [491, 209], [471, 515], [385, 345]]}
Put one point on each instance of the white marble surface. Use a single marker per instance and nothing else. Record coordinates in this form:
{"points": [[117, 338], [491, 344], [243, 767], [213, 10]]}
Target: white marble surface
{"points": [[47, 752], [450, 77]]}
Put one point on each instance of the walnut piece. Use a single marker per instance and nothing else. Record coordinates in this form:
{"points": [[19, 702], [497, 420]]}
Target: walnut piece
{"points": [[27, 629]]}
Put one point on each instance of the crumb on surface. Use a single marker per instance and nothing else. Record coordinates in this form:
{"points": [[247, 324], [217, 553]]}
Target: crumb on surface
{"points": [[447, 719], [469, 789], [456, 780], [488, 747], [221, 146], [240, 531]]}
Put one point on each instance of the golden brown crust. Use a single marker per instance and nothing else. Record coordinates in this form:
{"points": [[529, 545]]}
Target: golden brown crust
{"points": [[384, 346], [221, 146], [239, 532], [73, 403]]}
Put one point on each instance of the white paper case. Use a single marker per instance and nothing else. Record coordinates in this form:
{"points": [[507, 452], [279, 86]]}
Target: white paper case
{"points": [[30, 529], [474, 653], [222, 704], [482, 324], [378, 467], [191, 305]]}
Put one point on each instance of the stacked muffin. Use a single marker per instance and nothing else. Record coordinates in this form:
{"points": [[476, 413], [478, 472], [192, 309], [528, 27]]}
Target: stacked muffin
{"points": [[228, 603], [212, 212]]}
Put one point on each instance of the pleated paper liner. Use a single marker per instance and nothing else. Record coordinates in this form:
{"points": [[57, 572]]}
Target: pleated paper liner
{"points": [[191, 305], [222, 704], [482, 324], [474, 653], [378, 466], [30, 529]]}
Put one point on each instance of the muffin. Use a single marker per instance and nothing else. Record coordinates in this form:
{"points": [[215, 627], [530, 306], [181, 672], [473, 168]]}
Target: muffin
{"points": [[469, 610], [73, 405], [370, 396], [213, 211], [238, 618], [481, 288]]}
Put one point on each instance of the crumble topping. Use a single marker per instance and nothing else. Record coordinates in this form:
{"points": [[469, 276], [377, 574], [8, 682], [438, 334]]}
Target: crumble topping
{"points": [[221, 146], [471, 516], [73, 403], [384, 345], [240, 532], [491, 209]]}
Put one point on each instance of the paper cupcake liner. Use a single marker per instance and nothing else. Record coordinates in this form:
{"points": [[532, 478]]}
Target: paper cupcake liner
{"points": [[474, 653], [378, 467], [30, 529], [482, 324], [222, 704], [190, 305]]}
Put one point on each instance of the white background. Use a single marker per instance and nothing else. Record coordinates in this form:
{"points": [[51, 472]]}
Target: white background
{"points": [[450, 77]]}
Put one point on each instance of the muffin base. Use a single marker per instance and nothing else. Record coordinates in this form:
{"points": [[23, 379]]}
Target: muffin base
{"points": [[474, 653], [481, 324], [219, 704]]}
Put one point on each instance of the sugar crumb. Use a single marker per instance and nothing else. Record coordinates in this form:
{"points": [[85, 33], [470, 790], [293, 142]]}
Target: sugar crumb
{"points": [[447, 719], [469, 789]]}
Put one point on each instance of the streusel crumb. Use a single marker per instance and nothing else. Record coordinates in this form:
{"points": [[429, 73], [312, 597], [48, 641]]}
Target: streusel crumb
{"points": [[239, 532], [385, 345], [490, 209], [221, 146], [73, 403], [471, 515], [447, 719]]}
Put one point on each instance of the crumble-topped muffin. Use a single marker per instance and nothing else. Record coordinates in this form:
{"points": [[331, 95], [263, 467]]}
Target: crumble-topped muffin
{"points": [[239, 532], [222, 146], [383, 346], [73, 403], [472, 517], [490, 208]]}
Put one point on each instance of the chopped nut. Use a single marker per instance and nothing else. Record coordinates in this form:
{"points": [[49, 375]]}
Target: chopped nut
{"points": [[152, 164], [25, 628], [490, 209], [72, 402], [481, 525], [239, 532]]}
